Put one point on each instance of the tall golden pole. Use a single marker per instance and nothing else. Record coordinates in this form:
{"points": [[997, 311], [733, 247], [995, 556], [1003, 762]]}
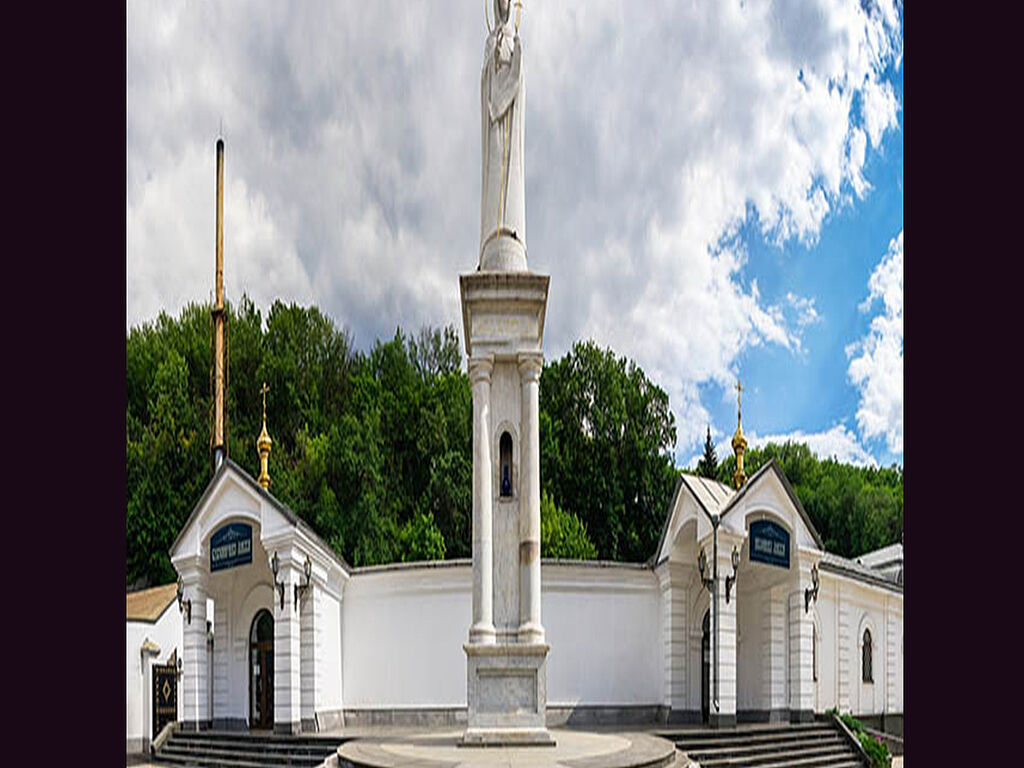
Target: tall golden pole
{"points": [[219, 363]]}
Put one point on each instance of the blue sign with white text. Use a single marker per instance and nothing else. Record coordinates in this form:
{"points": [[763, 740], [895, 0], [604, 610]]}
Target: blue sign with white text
{"points": [[231, 546], [769, 543]]}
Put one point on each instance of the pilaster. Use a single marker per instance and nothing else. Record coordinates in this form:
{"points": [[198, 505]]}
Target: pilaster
{"points": [[773, 652], [221, 656], [287, 636], [310, 626], [195, 653], [891, 651], [801, 649], [844, 642], [675, 591], [725, 659]]}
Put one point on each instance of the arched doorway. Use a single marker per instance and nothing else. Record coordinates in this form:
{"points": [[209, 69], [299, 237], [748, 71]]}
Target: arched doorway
{"points": [[261, 671], [705, 666]]}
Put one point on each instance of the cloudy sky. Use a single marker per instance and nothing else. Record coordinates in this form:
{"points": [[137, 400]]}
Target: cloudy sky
{"points": [[715, 188]]}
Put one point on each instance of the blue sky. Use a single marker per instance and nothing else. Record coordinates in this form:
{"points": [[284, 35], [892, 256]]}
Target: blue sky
{"points": [[811, 391], [714, 188]]}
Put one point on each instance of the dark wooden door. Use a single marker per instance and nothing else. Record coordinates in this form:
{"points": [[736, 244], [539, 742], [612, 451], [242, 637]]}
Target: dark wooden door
{"points": [[165, 696], [261, 671], [262, 664]]}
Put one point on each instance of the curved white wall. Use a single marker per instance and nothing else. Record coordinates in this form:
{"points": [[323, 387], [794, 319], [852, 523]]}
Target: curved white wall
{"points": [[403, 629]]}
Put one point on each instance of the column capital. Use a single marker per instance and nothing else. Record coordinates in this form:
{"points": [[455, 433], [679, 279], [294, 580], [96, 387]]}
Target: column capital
{"points": [[530, 366], [480, 367]]}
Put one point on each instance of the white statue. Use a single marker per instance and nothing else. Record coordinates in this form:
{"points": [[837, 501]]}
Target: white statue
{"points": [[503, 103]]}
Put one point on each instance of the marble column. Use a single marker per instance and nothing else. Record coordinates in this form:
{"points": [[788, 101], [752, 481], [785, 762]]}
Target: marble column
{"points": [[287, 680], [530, 628], [482, 630], [195, 653]]}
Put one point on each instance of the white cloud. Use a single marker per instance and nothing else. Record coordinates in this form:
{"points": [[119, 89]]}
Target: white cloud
{"points": [[836, 442], [876, 364], [652, 133]]}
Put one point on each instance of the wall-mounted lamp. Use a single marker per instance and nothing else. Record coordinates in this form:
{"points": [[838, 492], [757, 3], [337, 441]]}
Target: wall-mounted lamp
{"points": [[307, 570], [811, 593], [730, 580], [274, 565], [184, 606], [702, 564]]}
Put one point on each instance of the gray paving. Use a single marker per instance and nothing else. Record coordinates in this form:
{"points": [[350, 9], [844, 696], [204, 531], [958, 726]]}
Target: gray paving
{"points": [[573, 749]]}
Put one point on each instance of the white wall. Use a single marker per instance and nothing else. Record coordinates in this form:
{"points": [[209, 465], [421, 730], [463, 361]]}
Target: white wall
{"points": [[165, 632], [845, 607], [402, 635], [403, 630], [332, 652], [604, 626]]}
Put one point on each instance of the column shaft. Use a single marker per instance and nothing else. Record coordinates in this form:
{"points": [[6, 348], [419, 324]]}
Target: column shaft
{"points": [[531, 630], [482, 630]]}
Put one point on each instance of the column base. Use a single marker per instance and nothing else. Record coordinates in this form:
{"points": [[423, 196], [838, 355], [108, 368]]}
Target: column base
{"points": [[482, 634], [531, 633], [719, 720], [289, 729]]}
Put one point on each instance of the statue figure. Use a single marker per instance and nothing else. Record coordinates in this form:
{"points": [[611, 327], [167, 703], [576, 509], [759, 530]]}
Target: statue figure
{"points": [[502, 99]]}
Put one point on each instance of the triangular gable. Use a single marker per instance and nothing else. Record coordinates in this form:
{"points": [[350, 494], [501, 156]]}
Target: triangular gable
{"points": [[706, 498], [768, 487], [231, 480]]}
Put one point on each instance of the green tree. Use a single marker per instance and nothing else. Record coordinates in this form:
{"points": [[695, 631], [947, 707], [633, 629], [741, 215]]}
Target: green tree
{"points": [[855, 509], [421, 540], [606, 433], [708, 464], [562, 534]]}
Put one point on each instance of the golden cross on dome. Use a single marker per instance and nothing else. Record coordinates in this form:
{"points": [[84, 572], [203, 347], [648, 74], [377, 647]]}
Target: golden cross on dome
{"points": [[739, 399], [264, 389]]}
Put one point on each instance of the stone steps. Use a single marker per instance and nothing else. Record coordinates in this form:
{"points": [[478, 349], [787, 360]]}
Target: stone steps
{"points": [[227, 749], [800, 745]]}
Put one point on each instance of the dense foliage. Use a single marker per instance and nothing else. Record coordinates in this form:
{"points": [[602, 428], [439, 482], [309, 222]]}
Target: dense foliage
{"points": [[373, 449], [606, 433], [855, 509], [562, 534]]}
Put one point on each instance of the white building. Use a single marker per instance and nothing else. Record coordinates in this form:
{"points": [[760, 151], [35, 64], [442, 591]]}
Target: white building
{"points": [[629, 642]]}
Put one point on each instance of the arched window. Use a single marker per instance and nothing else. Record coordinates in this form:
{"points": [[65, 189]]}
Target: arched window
{"points": [[866, 657], [505, 450]]}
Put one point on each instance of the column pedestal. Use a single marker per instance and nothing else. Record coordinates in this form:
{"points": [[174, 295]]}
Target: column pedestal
{"points": [[506, 656], [507, 694]]}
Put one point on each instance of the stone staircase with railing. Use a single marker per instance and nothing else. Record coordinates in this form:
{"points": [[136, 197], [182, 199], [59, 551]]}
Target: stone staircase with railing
{"points": [[233, 749], [804, 745]]}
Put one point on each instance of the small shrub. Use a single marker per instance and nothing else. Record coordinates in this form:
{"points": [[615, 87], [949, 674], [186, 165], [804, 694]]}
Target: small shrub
{"points": [[877, 751]]}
